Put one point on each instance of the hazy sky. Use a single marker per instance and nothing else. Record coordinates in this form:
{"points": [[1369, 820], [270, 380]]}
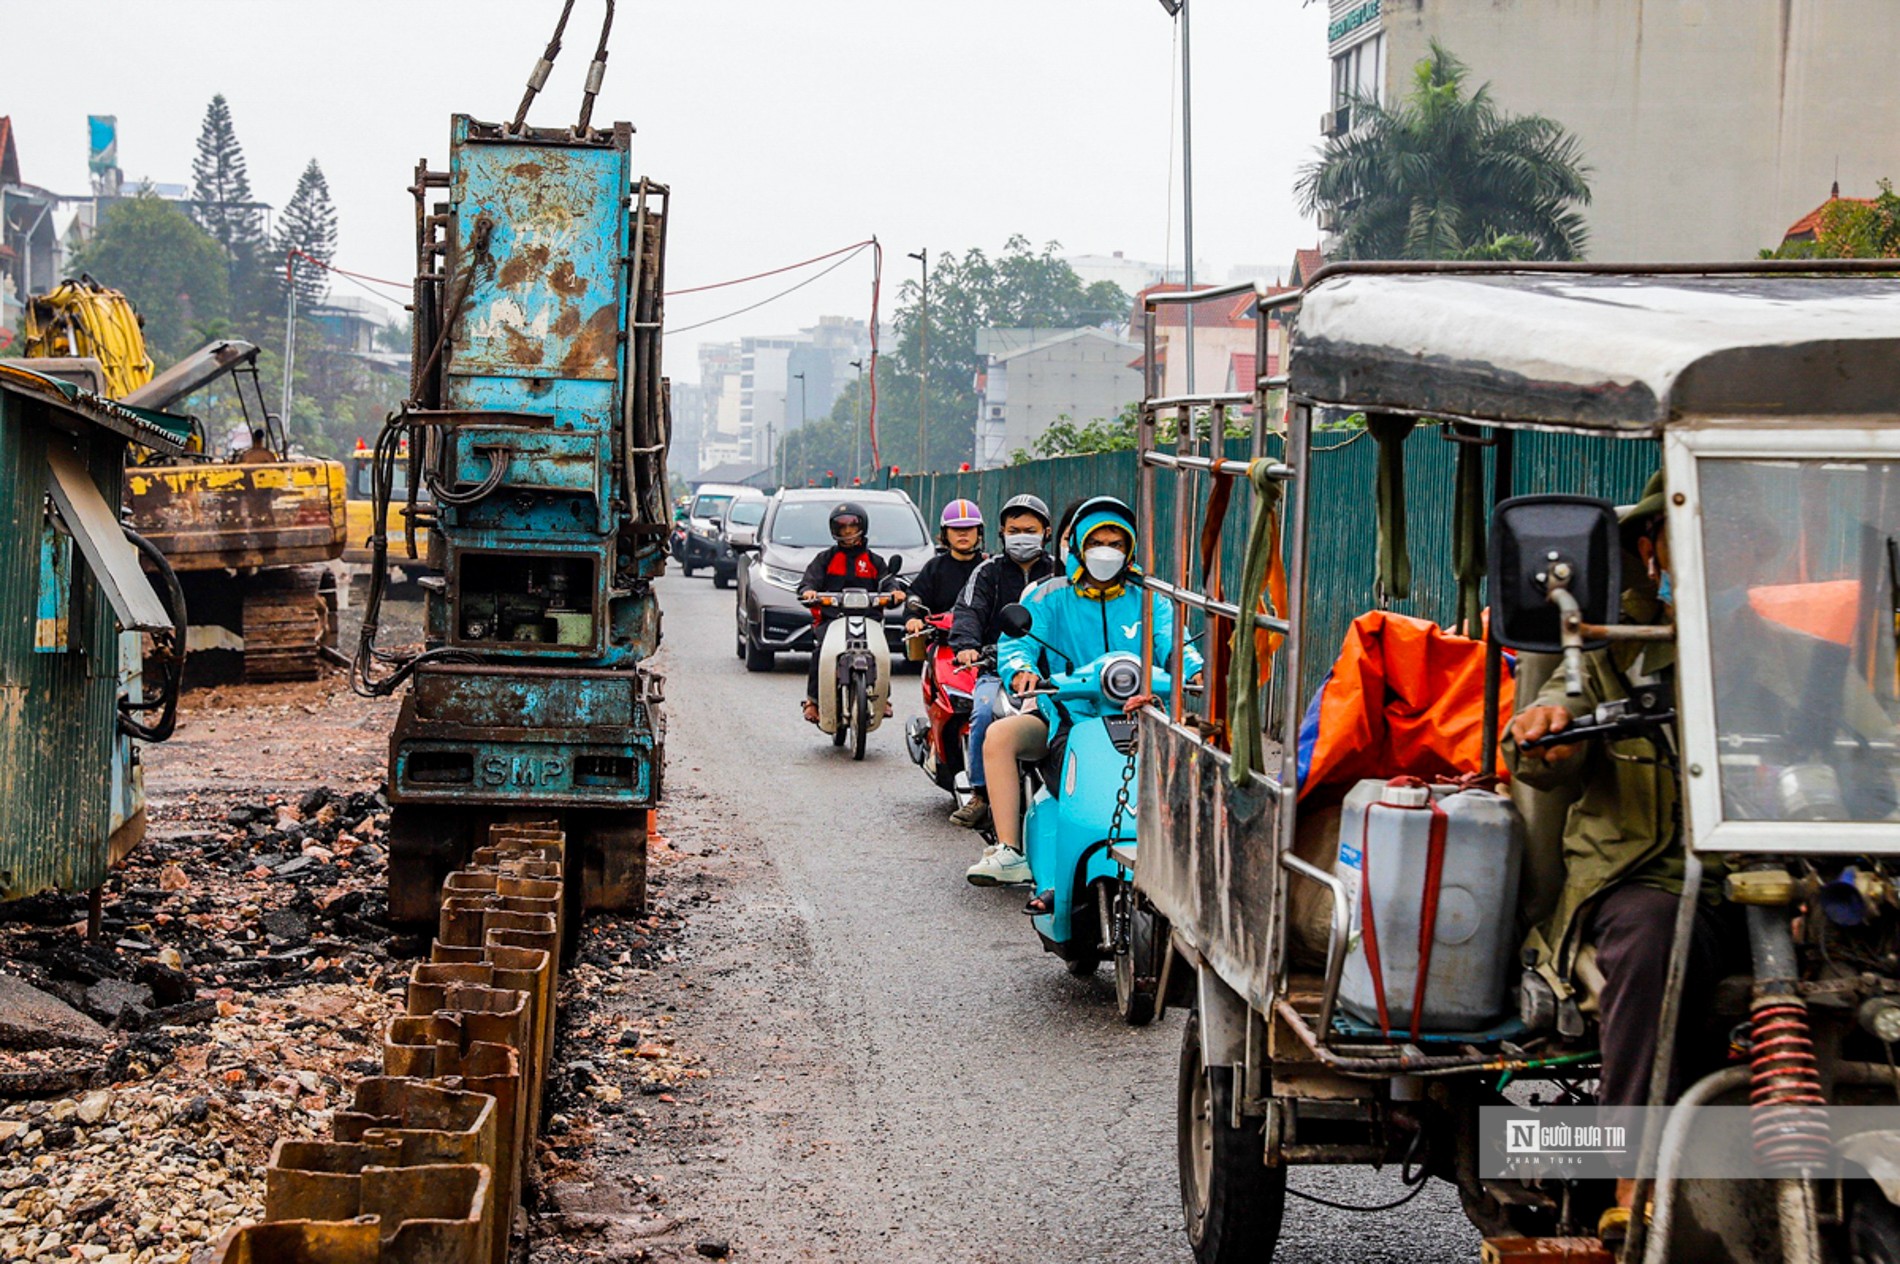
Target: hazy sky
{"points": [[785, 127]]}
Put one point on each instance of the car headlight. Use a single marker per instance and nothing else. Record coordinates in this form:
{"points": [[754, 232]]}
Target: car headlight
{"points": [[779, 577]]}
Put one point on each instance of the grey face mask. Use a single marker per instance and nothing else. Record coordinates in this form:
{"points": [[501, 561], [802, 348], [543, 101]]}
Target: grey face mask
{"points": [[1022, 548]]}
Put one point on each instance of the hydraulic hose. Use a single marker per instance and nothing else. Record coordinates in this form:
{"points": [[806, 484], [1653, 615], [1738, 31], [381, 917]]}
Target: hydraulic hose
{"points": [[171, 652]]}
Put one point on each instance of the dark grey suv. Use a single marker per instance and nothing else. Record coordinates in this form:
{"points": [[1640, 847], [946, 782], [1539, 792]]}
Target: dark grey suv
{"points": [[768, 616]]}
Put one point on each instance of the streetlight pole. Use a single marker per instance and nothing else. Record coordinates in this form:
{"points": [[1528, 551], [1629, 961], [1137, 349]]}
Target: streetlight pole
{"points": [[802, 444], [857, 427], [1178, 9], [923, 389]]}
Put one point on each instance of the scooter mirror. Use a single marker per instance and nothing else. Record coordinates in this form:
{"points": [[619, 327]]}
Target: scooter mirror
{"points": [[1014, 619], [895, 565]]}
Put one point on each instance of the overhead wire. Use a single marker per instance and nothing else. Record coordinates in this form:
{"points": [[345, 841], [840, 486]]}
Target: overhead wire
{"points": [[759, 276], [752, 307]]}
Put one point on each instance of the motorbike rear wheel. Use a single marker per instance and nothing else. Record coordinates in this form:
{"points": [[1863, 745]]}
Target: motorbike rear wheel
{"points": [[860, 714], [1138, 963]]}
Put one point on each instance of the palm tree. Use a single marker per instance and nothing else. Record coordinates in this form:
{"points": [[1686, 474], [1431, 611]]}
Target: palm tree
{"points": [[1447, 175]]}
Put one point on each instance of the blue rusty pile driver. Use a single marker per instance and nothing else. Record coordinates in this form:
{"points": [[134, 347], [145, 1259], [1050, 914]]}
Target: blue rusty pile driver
{"points": [[537, 425]]}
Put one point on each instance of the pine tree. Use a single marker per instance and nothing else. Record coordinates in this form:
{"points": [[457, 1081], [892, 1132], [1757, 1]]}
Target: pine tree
{"points": [[221, 190], [308, 225]]}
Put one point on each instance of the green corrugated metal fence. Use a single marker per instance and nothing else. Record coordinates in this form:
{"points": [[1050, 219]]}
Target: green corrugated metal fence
{"points": [[57, 710], [1342, 537]]}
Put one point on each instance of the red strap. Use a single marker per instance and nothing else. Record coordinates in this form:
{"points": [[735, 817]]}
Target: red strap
{"points": [[1367, 928], [1428, 912]]}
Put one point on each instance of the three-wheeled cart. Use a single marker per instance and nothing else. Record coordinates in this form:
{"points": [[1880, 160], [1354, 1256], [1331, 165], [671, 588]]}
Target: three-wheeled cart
{"points": [[1770, 396]]}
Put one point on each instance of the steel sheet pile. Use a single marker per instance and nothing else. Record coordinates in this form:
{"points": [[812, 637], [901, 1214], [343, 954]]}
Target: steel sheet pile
{"points": [[429, 1161]]}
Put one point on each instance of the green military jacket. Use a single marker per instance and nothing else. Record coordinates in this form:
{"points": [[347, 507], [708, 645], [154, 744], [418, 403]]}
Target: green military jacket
{"points": [[1627, 824]]}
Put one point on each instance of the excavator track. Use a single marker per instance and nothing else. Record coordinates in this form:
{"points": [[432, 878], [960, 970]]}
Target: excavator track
{"points": [[289, 619]]}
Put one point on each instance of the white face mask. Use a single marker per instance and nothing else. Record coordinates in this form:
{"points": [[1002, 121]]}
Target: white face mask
{"points": [[1022, 548], [1104, 563]]}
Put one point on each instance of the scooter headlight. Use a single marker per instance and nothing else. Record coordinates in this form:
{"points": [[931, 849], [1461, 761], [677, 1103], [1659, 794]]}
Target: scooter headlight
{"points": [[1121, 679]]}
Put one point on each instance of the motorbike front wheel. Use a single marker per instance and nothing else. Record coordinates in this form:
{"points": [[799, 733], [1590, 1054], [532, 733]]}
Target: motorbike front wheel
{"points": [[860, 714]]}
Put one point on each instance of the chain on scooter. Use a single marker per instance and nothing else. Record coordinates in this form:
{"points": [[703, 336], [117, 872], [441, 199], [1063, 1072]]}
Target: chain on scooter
{"points": [[1125, 892]]}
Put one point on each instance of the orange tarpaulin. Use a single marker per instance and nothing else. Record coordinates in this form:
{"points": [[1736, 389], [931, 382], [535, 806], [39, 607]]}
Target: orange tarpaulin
{"points": [[1825, 609], [1405, 697]]}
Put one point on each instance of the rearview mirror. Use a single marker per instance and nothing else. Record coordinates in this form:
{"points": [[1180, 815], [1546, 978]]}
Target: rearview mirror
{"points": [[1014, 619], [895, 565], [1549, 553]]}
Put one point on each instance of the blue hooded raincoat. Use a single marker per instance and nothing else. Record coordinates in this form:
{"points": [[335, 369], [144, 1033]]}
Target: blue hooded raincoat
{"points": [[1084, 620]]}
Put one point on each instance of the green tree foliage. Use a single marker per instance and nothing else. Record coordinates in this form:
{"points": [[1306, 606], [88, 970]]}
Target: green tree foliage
{"points": [[1020, 288], [1851, 229], [1446, 174], [171, 270], [1067, 437], [220, 188], [308, 226]]}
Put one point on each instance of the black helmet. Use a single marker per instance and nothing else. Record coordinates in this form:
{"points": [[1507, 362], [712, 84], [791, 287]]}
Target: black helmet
{"points": [[845, 511], [1025, 503]]}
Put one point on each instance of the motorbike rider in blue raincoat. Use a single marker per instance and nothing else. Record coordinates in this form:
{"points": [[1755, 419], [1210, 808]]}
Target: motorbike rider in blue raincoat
{"points": [[1093, 610]]}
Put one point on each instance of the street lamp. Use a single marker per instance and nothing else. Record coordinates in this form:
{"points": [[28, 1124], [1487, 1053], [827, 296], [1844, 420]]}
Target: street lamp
{"points": [[1178, 10], [800, 379], [857, 427], [923, 389]]}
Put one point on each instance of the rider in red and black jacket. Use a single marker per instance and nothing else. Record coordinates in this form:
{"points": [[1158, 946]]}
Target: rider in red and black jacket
{"points": [[848, 563]]}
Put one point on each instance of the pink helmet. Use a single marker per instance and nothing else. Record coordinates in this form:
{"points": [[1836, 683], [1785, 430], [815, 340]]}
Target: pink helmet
{"points": [[961, 513]]}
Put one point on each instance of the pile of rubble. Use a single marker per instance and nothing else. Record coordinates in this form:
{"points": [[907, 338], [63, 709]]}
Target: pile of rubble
{"points": [[242, 979]]}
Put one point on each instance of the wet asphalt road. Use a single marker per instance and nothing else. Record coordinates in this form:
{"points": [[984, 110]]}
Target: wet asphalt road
{"points": [[899, 1072]]}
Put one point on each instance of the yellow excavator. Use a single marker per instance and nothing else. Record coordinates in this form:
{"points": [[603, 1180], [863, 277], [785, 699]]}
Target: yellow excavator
{"points": [[249, 528]]}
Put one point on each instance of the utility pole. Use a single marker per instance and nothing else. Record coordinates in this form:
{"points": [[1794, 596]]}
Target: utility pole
{"points": [[857, 428], [923, 388], [290, 349], [1178, 9], [771, 455]]}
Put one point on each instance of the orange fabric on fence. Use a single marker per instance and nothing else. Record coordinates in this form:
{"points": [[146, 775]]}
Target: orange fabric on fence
{"points": [[1405, 697]]}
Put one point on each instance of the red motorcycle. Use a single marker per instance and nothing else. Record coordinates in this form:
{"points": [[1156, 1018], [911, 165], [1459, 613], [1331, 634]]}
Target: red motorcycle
{"points": [[937, 739]]}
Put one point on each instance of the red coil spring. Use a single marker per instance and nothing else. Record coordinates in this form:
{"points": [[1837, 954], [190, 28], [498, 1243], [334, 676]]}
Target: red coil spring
{"points": [[1789, 1120]]}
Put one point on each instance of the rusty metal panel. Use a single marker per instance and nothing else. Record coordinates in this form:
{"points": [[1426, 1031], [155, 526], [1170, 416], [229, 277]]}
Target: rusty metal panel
{"points": [[547, 298], [530, 698], [211, 516], [1207, 854], [57, 712]]}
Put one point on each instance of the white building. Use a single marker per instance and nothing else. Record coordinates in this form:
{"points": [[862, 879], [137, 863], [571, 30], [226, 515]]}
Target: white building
{"points": [[1709, 125], [1033, 378]]}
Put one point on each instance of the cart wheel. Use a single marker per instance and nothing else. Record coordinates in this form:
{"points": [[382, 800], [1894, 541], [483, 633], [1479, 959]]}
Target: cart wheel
{"points": [[1231, 1199], [1138, 969], [860, 714], [1873, 1228]]}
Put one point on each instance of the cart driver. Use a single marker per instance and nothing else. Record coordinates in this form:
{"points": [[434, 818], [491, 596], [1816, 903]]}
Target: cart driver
{"points": [[1623, 850]]}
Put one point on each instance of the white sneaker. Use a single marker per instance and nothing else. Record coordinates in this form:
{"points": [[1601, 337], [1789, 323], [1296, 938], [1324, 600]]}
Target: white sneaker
{"points": [[1000, 866]]}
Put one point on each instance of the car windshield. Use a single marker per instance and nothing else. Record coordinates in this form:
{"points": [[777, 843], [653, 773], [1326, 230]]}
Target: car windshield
{"points": [[364, 487], [1803, 623], [710, 506], [747, 513], [805, 524]]}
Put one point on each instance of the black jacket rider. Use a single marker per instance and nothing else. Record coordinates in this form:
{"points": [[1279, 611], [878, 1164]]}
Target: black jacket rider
{"points": [[997, 582], [941, 580]]}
